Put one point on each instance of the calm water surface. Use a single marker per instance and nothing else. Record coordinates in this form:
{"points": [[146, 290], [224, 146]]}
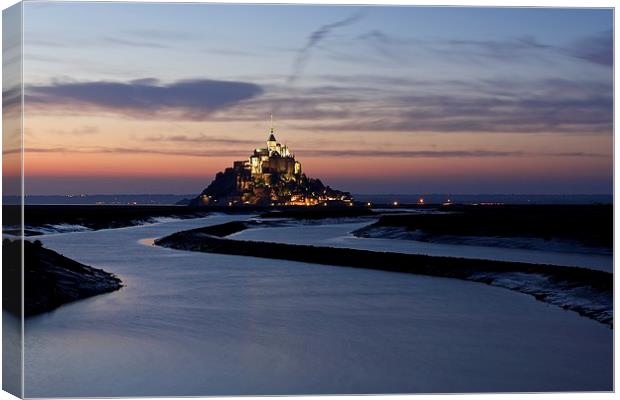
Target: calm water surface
{"points": [[204, 324]]}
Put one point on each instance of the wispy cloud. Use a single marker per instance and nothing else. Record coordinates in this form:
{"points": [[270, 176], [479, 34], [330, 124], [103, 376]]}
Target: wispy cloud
{"points": [[491, 105], [84, 130], [11, 97], [233, 52], [597, 49], [162, 34], [127, 150], [386, 45], [316, 37], [503, 50], [133, 43], [476, 114], [409, 49], [150, 38], [439, 154], [198, 139], [34, 41]]}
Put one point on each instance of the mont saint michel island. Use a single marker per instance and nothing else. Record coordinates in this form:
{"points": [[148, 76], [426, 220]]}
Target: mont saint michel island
{"points": [[270, 176]]}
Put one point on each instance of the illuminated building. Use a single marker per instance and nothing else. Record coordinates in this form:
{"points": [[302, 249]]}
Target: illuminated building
{"points": [[270, 176], [274, 159]]}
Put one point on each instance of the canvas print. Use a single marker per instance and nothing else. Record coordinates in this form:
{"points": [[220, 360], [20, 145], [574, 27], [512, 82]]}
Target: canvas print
{"points": [[256, 199]]}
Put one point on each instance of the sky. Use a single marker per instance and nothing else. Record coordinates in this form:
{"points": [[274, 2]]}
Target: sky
{"points": [[157, 98]]}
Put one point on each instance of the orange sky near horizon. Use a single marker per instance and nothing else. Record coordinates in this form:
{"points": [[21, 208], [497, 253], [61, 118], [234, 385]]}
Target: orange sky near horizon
{"points": [[93, 154]]}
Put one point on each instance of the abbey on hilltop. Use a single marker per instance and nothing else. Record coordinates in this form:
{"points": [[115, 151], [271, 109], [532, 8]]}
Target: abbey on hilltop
{"points": [[270, 176]]}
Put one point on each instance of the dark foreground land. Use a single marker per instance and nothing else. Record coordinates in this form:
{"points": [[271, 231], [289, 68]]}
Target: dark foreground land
{"points": [[588, 292], [50, 279], [589, 225]]}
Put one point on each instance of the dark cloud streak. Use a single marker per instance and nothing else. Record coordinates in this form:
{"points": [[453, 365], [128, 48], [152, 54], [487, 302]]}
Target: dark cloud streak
{"points": [[194, 99]]}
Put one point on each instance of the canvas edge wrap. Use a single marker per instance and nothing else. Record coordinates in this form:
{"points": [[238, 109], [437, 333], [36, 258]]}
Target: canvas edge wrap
{"points": [[12, 199]]}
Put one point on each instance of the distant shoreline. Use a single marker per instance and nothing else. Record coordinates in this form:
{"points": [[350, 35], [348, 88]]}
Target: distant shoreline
{"points": [[41, 218], [385, 198], [53, 218]]}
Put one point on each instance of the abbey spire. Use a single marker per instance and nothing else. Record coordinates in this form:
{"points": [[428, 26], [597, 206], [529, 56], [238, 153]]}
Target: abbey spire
{"points": [[271, 142]]}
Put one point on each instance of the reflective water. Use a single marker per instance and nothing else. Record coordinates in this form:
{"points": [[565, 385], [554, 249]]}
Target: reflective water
{"points": [[203, 324]]}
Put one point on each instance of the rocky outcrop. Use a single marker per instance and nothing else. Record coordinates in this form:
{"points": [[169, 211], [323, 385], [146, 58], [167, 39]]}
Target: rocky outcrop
{"points": [[50, 279], [232, 187]]}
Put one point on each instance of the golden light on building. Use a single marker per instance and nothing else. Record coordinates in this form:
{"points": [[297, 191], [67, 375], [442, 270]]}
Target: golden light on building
{"points": [[271, 175]]}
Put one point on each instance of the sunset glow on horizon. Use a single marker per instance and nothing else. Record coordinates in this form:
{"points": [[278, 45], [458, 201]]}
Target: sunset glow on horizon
{"points": [[370, 99]]}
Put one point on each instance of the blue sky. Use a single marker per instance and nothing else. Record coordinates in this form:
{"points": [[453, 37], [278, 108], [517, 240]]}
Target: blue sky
{"points": [[119, 39]]}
